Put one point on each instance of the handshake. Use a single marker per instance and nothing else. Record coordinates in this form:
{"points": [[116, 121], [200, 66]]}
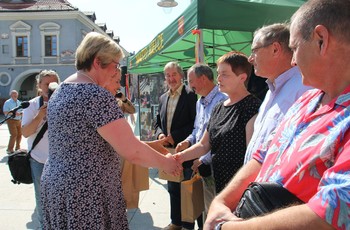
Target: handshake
{"points": [[173, 165]]}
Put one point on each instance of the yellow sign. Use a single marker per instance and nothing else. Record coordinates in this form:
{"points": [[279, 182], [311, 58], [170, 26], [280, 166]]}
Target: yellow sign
{"points": [[156, 45]]}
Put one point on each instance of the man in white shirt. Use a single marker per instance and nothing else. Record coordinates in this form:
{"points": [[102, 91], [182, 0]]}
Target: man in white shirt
{"points": [[201, 79], [14, 123]]}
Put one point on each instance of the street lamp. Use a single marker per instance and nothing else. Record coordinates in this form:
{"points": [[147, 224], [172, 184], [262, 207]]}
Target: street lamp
{"points": [[167, 3]]}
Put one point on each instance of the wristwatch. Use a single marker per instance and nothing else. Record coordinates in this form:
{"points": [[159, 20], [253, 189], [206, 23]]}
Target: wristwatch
{"points": [[219, 225]]}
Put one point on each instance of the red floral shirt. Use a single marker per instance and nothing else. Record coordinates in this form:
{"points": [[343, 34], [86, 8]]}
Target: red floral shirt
{"points": [[310, 156]]}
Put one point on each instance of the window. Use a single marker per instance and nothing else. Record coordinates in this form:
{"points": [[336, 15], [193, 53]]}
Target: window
{"points": [[50, 35], [21, 46], [20, 35], [50, 45]]}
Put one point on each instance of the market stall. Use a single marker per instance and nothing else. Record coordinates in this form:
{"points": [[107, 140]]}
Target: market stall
{"points": [[209, 28], [206, 30]]}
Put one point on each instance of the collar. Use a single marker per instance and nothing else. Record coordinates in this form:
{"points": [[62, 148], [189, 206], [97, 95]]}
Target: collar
{"points": [[207, 99], [344, 98], [14, 100], [177, 92], [282, 79]]}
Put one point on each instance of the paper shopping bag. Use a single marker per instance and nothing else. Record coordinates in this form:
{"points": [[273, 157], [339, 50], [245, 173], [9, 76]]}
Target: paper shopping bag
{"points": [[132, 199], [134, 180], [192, 201], [169, 177], [136, 176], [158, 146]]}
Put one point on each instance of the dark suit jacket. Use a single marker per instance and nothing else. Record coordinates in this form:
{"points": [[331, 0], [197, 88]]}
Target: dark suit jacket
{"points": [[183, 119]]}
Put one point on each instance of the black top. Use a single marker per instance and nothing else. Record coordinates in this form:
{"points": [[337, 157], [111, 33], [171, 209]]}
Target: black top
{"points": [[227, 136]]}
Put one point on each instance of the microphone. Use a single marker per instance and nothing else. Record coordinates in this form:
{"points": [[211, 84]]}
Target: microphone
{"points": [[23, 105], [52, 87]]}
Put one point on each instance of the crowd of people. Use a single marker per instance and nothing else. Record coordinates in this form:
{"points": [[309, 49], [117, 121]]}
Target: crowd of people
{"points": [[297, 138]]}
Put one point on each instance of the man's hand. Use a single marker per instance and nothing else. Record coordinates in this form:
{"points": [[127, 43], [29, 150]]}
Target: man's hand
{"points": [[217, 213], [167, 140], [170, 140], [182, 146]]}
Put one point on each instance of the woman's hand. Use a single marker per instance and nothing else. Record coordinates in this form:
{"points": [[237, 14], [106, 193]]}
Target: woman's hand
{"points": [[179, 157], [42, 112], [173, 167], [195, 165]]}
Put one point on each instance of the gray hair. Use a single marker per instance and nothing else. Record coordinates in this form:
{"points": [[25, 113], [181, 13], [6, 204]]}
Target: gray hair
{"points": [[176, 65], [278, 32], [202, 69], [13, 91]]}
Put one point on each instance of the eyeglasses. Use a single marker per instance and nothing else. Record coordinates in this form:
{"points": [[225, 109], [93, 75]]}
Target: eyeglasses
{"points": [[117, 65], [254, 50]]}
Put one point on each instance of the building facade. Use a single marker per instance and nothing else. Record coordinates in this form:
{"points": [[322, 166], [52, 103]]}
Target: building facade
{"points": [[37, 35]]}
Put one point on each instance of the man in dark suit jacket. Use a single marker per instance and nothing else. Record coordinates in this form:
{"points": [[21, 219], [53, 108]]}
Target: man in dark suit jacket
{"points": [[175, 121]]}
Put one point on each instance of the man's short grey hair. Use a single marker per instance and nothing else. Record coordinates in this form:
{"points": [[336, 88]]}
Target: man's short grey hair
{"points": [[202, 69], [278, 32], [13, 91], [176, 65]]}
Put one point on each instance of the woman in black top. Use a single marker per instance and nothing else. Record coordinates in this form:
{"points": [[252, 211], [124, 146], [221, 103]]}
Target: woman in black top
{"points": [[231, 124]]}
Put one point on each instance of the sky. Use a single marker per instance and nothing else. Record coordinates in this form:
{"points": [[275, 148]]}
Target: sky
{"points": [[136, 22]]}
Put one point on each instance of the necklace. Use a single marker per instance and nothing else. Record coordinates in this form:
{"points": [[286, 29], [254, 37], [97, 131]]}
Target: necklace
{"points": [[81, 72]]}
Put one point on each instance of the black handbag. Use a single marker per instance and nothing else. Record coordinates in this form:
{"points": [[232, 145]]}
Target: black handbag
{"points": [[20, 167], [262, 198]]}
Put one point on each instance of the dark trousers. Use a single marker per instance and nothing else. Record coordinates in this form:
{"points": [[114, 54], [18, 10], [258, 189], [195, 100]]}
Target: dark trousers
{"points": [[174, 189]]}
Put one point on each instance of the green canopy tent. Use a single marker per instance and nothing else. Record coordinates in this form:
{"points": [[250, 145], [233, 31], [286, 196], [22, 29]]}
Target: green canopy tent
{"points": [[209, 28]]}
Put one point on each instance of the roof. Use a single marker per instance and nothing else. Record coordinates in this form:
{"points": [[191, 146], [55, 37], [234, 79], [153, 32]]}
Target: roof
{"points": [[39, 5]]}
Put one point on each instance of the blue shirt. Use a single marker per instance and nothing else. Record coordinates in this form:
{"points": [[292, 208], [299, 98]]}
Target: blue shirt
{"points": [[10, 104], [286, 89], [204, 108]]}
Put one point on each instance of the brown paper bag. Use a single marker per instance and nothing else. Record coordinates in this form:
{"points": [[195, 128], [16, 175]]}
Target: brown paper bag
{"points": [[134, 180], [192, 201], [132, 199], [163, 175], [158, 146]]}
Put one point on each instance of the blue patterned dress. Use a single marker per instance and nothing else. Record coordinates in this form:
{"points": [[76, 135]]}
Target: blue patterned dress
{"points": [[81, 182]]}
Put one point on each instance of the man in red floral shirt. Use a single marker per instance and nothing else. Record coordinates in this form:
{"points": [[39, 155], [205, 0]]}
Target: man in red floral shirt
{"points": [[309, 153]]}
